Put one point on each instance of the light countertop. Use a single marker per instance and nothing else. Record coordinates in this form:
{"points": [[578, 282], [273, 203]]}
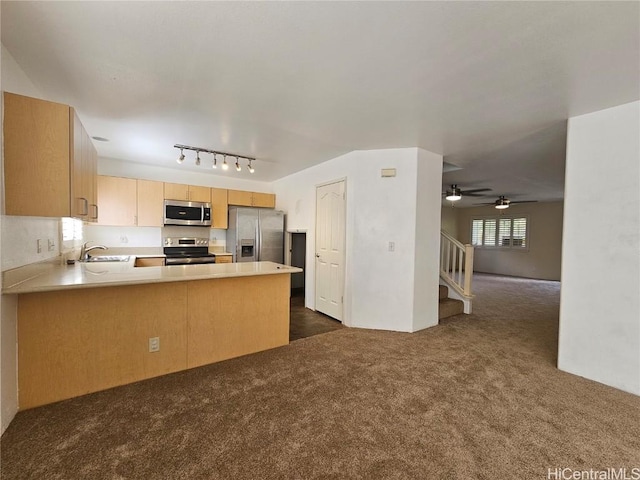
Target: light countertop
{"points": [[53, 276]]}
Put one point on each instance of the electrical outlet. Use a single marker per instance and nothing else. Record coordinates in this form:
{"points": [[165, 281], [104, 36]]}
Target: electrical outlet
{"points": [[124, 239], [392, 246], [51, 244], [154, 344], [39, 245]]}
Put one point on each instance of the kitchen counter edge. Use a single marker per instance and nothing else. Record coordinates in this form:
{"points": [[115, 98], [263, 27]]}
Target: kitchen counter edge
{"points": [[114, 274]]}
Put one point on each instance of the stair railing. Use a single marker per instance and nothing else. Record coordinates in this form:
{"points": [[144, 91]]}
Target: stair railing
{"points": [[456, 263]]}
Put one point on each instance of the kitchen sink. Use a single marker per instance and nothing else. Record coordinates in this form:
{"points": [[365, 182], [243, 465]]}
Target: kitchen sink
{"points": [[109, 258]]}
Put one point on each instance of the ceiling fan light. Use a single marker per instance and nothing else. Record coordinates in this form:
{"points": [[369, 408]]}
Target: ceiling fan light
{"points": [[502, 206], [453, 196]]}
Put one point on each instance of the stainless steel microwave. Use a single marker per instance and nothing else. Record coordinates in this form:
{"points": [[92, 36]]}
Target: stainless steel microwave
{"points": [[180, 212]]}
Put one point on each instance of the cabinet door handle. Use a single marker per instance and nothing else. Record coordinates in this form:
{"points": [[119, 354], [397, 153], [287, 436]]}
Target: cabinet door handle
{"points": [[85, 210], [95, 217]]}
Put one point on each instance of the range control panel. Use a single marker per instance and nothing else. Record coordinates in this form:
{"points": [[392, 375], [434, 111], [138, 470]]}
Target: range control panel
{"points": [[186, 242]]}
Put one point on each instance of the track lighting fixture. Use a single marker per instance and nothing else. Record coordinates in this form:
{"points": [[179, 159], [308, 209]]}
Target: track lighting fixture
{"points": [[215, 153]]}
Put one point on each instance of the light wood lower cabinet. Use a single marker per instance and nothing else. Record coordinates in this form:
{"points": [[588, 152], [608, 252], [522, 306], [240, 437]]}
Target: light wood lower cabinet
{"points": [[224, 258], [80, 341], [226, 325], [149, 262]]}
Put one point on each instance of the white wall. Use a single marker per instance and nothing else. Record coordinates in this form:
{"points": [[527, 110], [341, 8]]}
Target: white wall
{"points": [[19, 240], [428, 222], [379, 284], [449, 221], [14, 79], [600, 301], [541, 260]]}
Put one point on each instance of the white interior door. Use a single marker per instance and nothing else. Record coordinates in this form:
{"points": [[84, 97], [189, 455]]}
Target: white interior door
{"points": [[330, 248]]}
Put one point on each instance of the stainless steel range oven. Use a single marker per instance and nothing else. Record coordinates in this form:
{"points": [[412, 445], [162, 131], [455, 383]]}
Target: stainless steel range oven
{"points": [[187, 250]]}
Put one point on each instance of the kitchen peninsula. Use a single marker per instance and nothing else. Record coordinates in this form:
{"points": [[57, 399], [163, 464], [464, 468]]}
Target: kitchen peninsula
{"points": [[91, 326]]}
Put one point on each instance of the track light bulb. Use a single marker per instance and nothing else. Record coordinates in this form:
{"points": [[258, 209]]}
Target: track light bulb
{"points": [[215, 161], [238, 167], [181, 157], [251, 169], [198, 157], [225, 166]]}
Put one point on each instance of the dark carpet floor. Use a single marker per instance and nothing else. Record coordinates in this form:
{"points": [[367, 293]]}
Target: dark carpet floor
{"points": [[475, 397]]}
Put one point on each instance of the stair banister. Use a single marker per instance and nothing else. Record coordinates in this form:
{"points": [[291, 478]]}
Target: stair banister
{"points": [[456, 263]]}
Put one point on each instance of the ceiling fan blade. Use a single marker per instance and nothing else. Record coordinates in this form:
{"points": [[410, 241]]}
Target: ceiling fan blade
{"points": [[485, 203], [467, 194], [523, 201], [475, 190]]}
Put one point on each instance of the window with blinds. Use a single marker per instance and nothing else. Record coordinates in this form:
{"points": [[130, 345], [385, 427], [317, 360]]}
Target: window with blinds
{"points": [[502, 232]]}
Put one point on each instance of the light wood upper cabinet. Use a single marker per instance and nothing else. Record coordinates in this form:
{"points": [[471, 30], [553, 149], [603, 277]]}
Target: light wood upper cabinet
{"points": [[176, 191], [85, 174], [117, 200], [219, 208], [251, 199], [193, 193], [47, 160], [267, 200], [150, 203], [199, 194], [240, 197], [50, 161]]}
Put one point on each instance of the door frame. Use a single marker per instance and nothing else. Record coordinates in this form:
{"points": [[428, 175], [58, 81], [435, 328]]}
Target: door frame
{"points": [[346, 318]]}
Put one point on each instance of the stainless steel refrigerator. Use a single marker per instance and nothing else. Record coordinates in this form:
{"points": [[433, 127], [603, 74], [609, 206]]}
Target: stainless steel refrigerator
{"points": [[256, 234]]}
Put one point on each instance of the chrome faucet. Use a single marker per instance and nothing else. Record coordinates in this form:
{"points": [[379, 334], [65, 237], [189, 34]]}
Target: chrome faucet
{"points": [[84, 251]]}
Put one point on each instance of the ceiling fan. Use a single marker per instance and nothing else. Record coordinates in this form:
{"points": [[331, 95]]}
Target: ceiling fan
{"points": [[455, 193], [503, 202]]}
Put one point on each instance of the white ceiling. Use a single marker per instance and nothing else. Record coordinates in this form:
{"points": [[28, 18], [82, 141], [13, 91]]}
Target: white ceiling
{"points": [[489, 85]]}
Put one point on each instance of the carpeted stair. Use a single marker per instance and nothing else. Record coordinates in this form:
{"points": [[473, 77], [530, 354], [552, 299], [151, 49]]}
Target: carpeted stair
{"points": [[448, 307]]}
